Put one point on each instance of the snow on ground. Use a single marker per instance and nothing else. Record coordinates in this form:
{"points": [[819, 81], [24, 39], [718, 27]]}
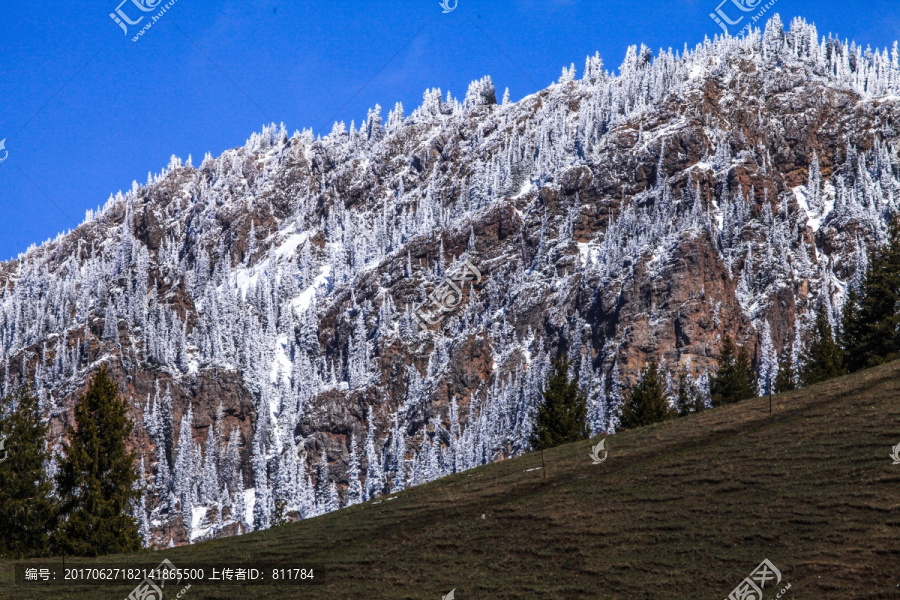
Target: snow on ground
{"points": [[525, 189], [813, 220], [321, 282], [584, 252], [702, 165], [282, 362], [289, 246], [244, 278], [197, 515]]}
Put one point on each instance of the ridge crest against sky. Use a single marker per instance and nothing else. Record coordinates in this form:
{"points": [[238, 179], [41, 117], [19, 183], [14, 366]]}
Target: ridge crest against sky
{"points": [[86, 110]]}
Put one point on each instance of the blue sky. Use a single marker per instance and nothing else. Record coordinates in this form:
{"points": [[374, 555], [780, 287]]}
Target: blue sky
{"points": [[85, 111]]}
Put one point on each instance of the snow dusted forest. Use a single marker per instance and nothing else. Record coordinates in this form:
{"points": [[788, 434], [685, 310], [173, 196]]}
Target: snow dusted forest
{"points": [[258, 310]]}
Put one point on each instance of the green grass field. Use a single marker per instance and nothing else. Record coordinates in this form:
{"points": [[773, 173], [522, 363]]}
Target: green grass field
{"points": [[684, 509]]}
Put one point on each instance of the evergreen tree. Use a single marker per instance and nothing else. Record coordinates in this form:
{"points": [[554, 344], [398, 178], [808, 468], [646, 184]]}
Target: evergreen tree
{"points": [[209, 482], [646, 402], [167, 426], [871, 319], [784, 381], [185, 479], [139, 509], [333, 503], [823, 359], [768, 363], [96, 476], [613, 400], [562, 416], [734, 378], [688, 395], [322, 485], [814, 187], [374, 471], [355, 489], [27, 508], [239, 510]]}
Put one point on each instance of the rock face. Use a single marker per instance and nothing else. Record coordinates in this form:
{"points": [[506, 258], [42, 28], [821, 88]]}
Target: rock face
{"points": [[270, 293]]}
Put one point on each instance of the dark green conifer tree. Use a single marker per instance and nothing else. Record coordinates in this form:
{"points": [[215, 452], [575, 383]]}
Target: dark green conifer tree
{"points": [[687, 397], [734, 378], [562, 416], [97, 476], [823, 359], [646, 402], [784, 380], [28, 509], [871, 317]]}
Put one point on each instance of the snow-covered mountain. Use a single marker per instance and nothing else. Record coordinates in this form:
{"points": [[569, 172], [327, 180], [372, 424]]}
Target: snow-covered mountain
{"points": [[259, 310]]}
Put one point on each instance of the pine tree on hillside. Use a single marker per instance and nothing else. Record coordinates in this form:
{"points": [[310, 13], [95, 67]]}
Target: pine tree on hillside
{"points": [[734, 379], [785, 380], [871, 319], [688, 395], [27, 508], [823, 359], [768, 363], [96, 476], [646, 403], [355, 488], [562, 416]]}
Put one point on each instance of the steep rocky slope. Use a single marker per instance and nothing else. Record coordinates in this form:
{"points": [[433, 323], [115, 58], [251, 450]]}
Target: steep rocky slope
{"points": [[260, 310]]}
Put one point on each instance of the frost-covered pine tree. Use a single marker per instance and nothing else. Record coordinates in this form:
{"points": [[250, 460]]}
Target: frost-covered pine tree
{"points": [[141, 508], [185, 477], [613, 400], [110, 325], [596, 411], [480, 93], [262, 494], [374, 471], [768, 363], [396, 466], [355, 489], [322, 481], [814, 187], [167, 424], [209, 482], [163, 478], [240, 505], [333, 503], [797, 352]]}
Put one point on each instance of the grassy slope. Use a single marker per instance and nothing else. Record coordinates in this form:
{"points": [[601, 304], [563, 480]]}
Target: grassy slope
{"points": [[685, 509]]}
